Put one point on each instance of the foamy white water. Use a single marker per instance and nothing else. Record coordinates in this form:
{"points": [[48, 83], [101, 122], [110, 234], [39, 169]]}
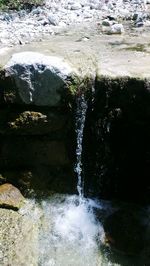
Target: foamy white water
{"points": [[70, 235]]}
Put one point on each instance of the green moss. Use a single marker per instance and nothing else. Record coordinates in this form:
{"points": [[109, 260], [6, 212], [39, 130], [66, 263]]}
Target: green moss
{"points": [[137, 48], [18, 4], [73, 85], [78, 85]]}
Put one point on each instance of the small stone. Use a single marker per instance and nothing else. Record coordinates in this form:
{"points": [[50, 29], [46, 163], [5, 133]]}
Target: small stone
{"points": [[37, 11], [76, 6], [106, 23], [110, 6], [7, 17], [10, 197], [135, 16], [22, 13], [53, 20], [117, 29], [139, 24], [44, 22], [112, 17]]}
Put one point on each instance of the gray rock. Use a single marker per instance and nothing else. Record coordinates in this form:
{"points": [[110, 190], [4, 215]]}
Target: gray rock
{"points": [[22, 13], [139, 24], [39, 79], [106, 23], [53, 20], [7, 17], [36, 11], [135, 16]]}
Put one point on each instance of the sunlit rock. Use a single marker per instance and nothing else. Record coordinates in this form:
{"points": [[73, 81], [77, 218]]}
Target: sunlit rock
{"points": [[10, 197], [39, 79]]}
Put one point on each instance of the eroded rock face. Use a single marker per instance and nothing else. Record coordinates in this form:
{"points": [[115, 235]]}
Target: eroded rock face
{"points": [[36, 123], [10, 197], [39, 79], [116, 140], [31, 122], [29, 152]]}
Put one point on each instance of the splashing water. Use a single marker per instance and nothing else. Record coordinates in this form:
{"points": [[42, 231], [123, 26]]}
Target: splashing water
{"points": [[80, 122], [70, 233]]}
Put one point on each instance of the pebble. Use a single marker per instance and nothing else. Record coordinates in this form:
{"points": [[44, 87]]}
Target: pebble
{"points": [[139, 24]]}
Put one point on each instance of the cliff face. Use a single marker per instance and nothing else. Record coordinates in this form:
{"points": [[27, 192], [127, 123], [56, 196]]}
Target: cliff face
{"points": [[36, 126], [116, 141]]}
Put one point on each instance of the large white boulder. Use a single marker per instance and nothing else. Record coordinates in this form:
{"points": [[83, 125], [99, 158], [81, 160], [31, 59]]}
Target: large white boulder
{"points": [[39, 79]]}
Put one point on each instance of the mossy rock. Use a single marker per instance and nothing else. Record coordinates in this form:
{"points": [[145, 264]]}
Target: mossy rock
{"points": [[41, 122]]}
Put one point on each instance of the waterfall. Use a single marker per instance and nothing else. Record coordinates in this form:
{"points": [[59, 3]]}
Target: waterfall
{"points": [[70, 232], [80, 122]]}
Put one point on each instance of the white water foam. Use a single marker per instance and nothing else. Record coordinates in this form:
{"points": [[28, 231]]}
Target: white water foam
{"points": [[70, 233]]}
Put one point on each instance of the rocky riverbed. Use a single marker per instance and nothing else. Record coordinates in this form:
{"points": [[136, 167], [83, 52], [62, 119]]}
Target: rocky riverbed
{"points": [[53, 17]]}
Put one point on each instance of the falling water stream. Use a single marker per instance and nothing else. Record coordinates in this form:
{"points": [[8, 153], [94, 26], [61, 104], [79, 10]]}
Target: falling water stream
{"points": [[80, 121], [70, 233]]}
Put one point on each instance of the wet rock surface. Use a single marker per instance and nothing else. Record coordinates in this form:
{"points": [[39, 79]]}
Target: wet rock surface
{"points": [[125, 231], [116, 143], [127, 234]]}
